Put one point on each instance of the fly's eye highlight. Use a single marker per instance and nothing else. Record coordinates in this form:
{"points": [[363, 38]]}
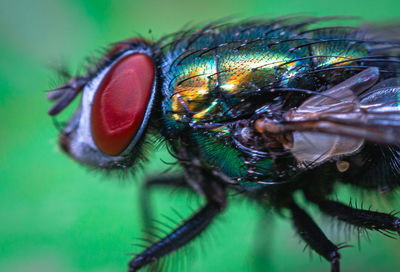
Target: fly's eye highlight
{"points": [[120, 103]]}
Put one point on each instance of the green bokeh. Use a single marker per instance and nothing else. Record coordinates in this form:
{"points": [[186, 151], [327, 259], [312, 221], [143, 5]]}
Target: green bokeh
{"points": [[57, 216]]}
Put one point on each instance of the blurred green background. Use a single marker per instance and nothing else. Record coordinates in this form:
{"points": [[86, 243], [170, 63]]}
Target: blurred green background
{"points": [[57, 216]]}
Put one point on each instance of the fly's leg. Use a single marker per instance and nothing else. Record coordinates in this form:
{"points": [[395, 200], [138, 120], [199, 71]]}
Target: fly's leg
{"points": [[179, 237], [361, 218], [145, 201], [146, 206], [314, 236], [186, 232]]}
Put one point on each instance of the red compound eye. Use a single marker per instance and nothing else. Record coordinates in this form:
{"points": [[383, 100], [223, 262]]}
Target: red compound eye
{"points": [[120, 103]]}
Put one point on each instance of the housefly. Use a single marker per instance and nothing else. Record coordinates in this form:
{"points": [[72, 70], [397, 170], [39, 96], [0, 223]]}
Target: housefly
{"points": [[264, 107]]}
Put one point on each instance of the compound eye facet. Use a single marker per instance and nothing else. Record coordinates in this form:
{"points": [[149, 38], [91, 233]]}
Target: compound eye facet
{"points": [[120, 103]]}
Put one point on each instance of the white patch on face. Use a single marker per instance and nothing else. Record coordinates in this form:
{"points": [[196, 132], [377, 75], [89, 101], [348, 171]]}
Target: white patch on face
{"points": [[82, 146]]}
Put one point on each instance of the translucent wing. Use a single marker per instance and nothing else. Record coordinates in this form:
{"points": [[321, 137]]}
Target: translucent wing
{"points": [[340, 119]]}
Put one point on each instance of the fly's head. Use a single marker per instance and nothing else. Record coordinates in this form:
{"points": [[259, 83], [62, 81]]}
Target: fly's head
{"points": [[108, 128]]}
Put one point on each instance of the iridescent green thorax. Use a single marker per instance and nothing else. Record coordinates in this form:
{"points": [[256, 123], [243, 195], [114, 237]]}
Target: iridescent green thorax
{"points": [[215, 77]]}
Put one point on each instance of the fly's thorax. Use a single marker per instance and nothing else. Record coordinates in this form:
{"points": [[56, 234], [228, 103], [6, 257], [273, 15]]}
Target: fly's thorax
{"points": [[218, 87], [223, 74], [212, 80]]}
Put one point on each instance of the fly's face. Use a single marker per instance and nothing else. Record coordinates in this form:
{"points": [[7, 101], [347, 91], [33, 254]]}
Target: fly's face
{"points": [[107, 129]]}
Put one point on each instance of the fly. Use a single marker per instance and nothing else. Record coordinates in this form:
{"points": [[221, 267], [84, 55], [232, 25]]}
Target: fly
{"points": [[267, 108]]}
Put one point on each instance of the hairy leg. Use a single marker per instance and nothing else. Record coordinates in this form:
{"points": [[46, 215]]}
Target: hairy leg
{"points": [[359, 217], [145, 201], [186, 232], [314, 236]]}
